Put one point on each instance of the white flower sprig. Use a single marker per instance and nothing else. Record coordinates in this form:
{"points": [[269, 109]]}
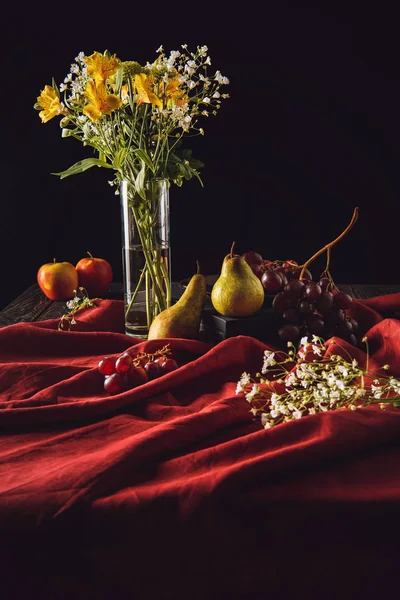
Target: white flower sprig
{"points": [[296, 384]]}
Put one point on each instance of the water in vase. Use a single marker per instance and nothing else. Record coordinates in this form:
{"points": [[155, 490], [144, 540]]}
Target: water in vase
{"points": [[141, 296]]}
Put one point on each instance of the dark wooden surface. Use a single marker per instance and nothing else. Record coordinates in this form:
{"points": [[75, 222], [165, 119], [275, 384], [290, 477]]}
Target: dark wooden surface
{"points": [[32, 304]]}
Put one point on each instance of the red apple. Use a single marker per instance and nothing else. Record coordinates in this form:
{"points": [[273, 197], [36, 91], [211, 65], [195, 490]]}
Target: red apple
{"points": [[58, 280], [95, 275]]}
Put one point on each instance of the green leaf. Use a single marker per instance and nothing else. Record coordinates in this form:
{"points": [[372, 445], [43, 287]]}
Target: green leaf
{"points": [[140, 182], [145, 158], [118, 80], [119, 158], [83, 165]]}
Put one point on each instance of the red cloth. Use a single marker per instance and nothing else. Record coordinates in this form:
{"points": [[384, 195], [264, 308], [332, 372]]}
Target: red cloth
{"points": [[172, 490]]}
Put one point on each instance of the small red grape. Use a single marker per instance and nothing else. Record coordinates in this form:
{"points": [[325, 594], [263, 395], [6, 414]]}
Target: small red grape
{"points": [[153, 369], [342, 300], [136, 376], [257, 269], [325, 302], [291, 315], [280, 302], [114, 384], [289, 332], [272, 281], [124, 363], [312, 291], [106, 365], [305, 307], [324, 282], [252, 257], [167, 364]]}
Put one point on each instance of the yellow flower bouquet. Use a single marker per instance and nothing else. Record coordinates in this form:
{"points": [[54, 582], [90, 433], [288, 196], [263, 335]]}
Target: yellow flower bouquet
{"points": [[135, 117]]}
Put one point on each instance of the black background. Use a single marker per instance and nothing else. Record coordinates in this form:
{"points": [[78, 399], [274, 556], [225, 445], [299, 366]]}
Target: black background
{"points": [[310, 131]]}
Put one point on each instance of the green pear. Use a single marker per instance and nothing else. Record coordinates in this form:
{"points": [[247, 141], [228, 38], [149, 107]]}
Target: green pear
{"points": [[237, 292], [182, 319]]}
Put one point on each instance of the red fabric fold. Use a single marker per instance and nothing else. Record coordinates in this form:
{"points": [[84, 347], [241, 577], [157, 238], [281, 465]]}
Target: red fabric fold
{"points": [[181, 456]]}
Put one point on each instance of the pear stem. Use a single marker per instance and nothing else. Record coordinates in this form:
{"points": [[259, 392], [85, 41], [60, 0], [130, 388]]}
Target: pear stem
{"points": [[231, 253], [198, 267]]}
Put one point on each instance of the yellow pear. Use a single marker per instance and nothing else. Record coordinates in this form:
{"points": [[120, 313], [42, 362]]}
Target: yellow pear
{"points": [[182, 319], [237, 292]]}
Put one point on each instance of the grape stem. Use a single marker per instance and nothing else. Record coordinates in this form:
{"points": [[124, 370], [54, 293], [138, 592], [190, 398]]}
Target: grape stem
{"points": [[328, 247]]}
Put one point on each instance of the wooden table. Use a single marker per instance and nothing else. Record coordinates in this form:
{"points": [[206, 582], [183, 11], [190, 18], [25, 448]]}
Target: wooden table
{"points": [[32, 304]]}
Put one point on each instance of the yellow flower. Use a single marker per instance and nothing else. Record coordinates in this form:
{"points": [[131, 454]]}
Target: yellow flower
{"points": [[174, 94], [50, 102], [100, 103], [100, 67], [145, 86]]}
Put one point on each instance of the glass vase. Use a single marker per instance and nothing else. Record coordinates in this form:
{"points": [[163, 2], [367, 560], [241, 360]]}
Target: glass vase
{"points": [[146, 254]]}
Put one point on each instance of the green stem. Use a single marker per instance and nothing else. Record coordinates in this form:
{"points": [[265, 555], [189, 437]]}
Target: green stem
{"points": [[148, 258], [148, 302], [135, 293]]}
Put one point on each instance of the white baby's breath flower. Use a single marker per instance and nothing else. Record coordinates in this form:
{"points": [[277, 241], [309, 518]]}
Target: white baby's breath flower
{"points": [[317, 350], [343, 370], [310, 389], [395, 385], [377, 391], [252, 393], [274, 399], [269, 360]]}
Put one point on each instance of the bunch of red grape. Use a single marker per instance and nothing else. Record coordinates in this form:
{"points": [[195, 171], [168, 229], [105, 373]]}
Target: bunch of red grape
{"points": [[132, 368], [306, 307]]}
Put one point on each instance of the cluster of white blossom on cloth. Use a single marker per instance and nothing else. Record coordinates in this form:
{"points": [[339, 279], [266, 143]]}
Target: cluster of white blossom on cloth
{"points": [[318, 377]]}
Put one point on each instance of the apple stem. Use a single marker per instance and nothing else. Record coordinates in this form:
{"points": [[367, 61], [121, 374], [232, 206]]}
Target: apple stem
{"points": [[91, 256], [232, 249], [54, 260]]}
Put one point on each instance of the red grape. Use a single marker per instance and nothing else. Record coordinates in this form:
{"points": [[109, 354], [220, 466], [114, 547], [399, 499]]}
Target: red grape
{"points": [[124, 363], [315, 324], [257, 269], [305, 307], [295, 274], [167, 364], [153, 369], [289, 264], [295, 288], [342, 300], [325, 302], [312, 291], [291, 315], [272, 281], [324, 282], [114, 384], [106, 365], [136, 376], [289, 332], [252, 257], [280, 302]]}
